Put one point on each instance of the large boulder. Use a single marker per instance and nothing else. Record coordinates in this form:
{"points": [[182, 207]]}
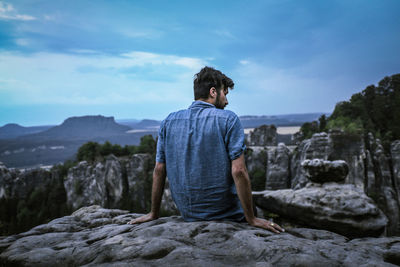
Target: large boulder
{"points": [[332, 146], [321, 171], [265, 135], [316, 147], [94, 236], [344, 209]]}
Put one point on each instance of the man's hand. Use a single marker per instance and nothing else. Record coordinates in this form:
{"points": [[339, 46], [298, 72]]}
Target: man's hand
{"points": [[145, 218], [261, 223]]}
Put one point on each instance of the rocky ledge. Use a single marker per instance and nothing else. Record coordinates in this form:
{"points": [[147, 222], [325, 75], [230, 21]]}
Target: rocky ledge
{"points": [[93, 236], [343, 209]]}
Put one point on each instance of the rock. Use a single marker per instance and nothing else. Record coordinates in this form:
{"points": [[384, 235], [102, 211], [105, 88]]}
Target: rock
{"points": [[115, 183], [17, 184], [139, 171], [94, 236], [381, 187], [332, 146], [168, 206], [395, 153], [321, 171], [319, 146], [263, 136], [278, 168], [256, 161], [343, 209], [85, 185]]}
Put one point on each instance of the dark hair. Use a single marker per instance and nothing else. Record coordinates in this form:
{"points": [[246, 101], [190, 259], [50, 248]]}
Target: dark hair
{"points": [[209, 77]]}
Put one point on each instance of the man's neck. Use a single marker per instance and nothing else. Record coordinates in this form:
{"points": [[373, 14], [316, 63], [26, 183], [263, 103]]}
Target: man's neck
{"points": [[208, 100]]}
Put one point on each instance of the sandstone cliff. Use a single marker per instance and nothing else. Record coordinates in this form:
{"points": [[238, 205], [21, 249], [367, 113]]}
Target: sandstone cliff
{"points": [[369, 168], [94, 236]]}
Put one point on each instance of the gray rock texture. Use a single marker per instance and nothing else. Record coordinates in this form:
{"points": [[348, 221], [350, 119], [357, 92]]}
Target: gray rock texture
{"points": [[278, 167], [94, 236], [369, 168], [115, 183], [344, 209], [18, 184], [264, 135], [256, 161], [395, 153], [381, 185], [321, 171], [332, 146]]}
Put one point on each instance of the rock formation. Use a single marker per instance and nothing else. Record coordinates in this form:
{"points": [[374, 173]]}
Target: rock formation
{"points": [[369, 168], [116, 183], [278, 167], [262, 136], [94, 236], [395, 153], [344, 209], [17, 184], [321, 171]]}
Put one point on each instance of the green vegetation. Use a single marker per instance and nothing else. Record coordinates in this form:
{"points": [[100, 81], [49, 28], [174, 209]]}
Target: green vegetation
{"points": [[92, 151], [49, 201], [43, 204], [376, 109]]}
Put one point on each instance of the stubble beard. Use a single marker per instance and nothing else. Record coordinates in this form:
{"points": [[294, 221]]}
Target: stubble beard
{"points": [[218, 103]]}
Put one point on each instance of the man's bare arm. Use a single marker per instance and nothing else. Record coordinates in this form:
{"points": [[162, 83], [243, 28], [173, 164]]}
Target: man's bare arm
{"points": [[243, 188], [159, 175]]}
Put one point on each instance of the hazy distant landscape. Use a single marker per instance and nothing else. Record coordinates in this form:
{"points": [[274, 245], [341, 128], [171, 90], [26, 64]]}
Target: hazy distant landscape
{"points": [[24, 147]]}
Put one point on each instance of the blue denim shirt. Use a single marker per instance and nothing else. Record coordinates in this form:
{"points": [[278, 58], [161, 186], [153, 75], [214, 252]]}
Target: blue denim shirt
{"points": [[197, 145]]}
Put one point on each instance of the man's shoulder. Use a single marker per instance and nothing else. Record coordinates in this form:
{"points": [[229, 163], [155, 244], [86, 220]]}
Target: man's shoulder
{"points": [[176, 114], [226, 114]]}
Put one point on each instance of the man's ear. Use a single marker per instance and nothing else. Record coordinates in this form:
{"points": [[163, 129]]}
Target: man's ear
{"points": [[213, 92]]}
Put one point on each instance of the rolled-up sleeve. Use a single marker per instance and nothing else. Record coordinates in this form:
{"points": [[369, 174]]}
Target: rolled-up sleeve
{"points": [[160, 155], [234, 138]]}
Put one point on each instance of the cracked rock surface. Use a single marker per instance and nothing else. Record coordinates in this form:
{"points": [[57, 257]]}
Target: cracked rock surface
{"points": [[93, 236], [343, 209]]}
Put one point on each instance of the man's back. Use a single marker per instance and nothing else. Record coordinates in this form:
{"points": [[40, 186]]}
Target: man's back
{"points": [[197, 145]]}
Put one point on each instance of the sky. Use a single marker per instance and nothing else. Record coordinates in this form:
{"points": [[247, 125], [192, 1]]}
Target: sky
{"points": [[137, 59]]}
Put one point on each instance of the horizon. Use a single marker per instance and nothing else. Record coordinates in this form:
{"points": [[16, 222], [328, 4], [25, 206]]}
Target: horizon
{"points": [[137, 60], [117, 120]]}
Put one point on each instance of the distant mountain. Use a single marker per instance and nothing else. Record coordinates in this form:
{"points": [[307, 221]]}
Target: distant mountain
{"points": [[58, 143], [143, 124], [247, 121], [13, 130], [147, 124], [83, 128], [279, 120]]}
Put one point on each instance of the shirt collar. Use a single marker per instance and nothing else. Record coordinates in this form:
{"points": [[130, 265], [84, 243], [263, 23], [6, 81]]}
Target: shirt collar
{"points": [[199, 103]]}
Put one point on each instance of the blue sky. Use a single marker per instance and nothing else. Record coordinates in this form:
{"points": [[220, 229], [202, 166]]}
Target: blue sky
{"points": [[136, 59]]}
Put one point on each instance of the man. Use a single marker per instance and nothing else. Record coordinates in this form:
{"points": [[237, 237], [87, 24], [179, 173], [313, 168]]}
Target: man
{"points": [[201, 149]]}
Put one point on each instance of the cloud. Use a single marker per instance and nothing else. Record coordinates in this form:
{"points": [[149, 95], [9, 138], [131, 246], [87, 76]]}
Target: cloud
{"points": [[86, 79], [142, 58], [225, 34], [22, 42], [7, 12]]}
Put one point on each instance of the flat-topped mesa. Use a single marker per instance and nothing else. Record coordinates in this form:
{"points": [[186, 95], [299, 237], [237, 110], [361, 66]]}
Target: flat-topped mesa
{"points": [[321, 171], [86, 126], [264, 135]]}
